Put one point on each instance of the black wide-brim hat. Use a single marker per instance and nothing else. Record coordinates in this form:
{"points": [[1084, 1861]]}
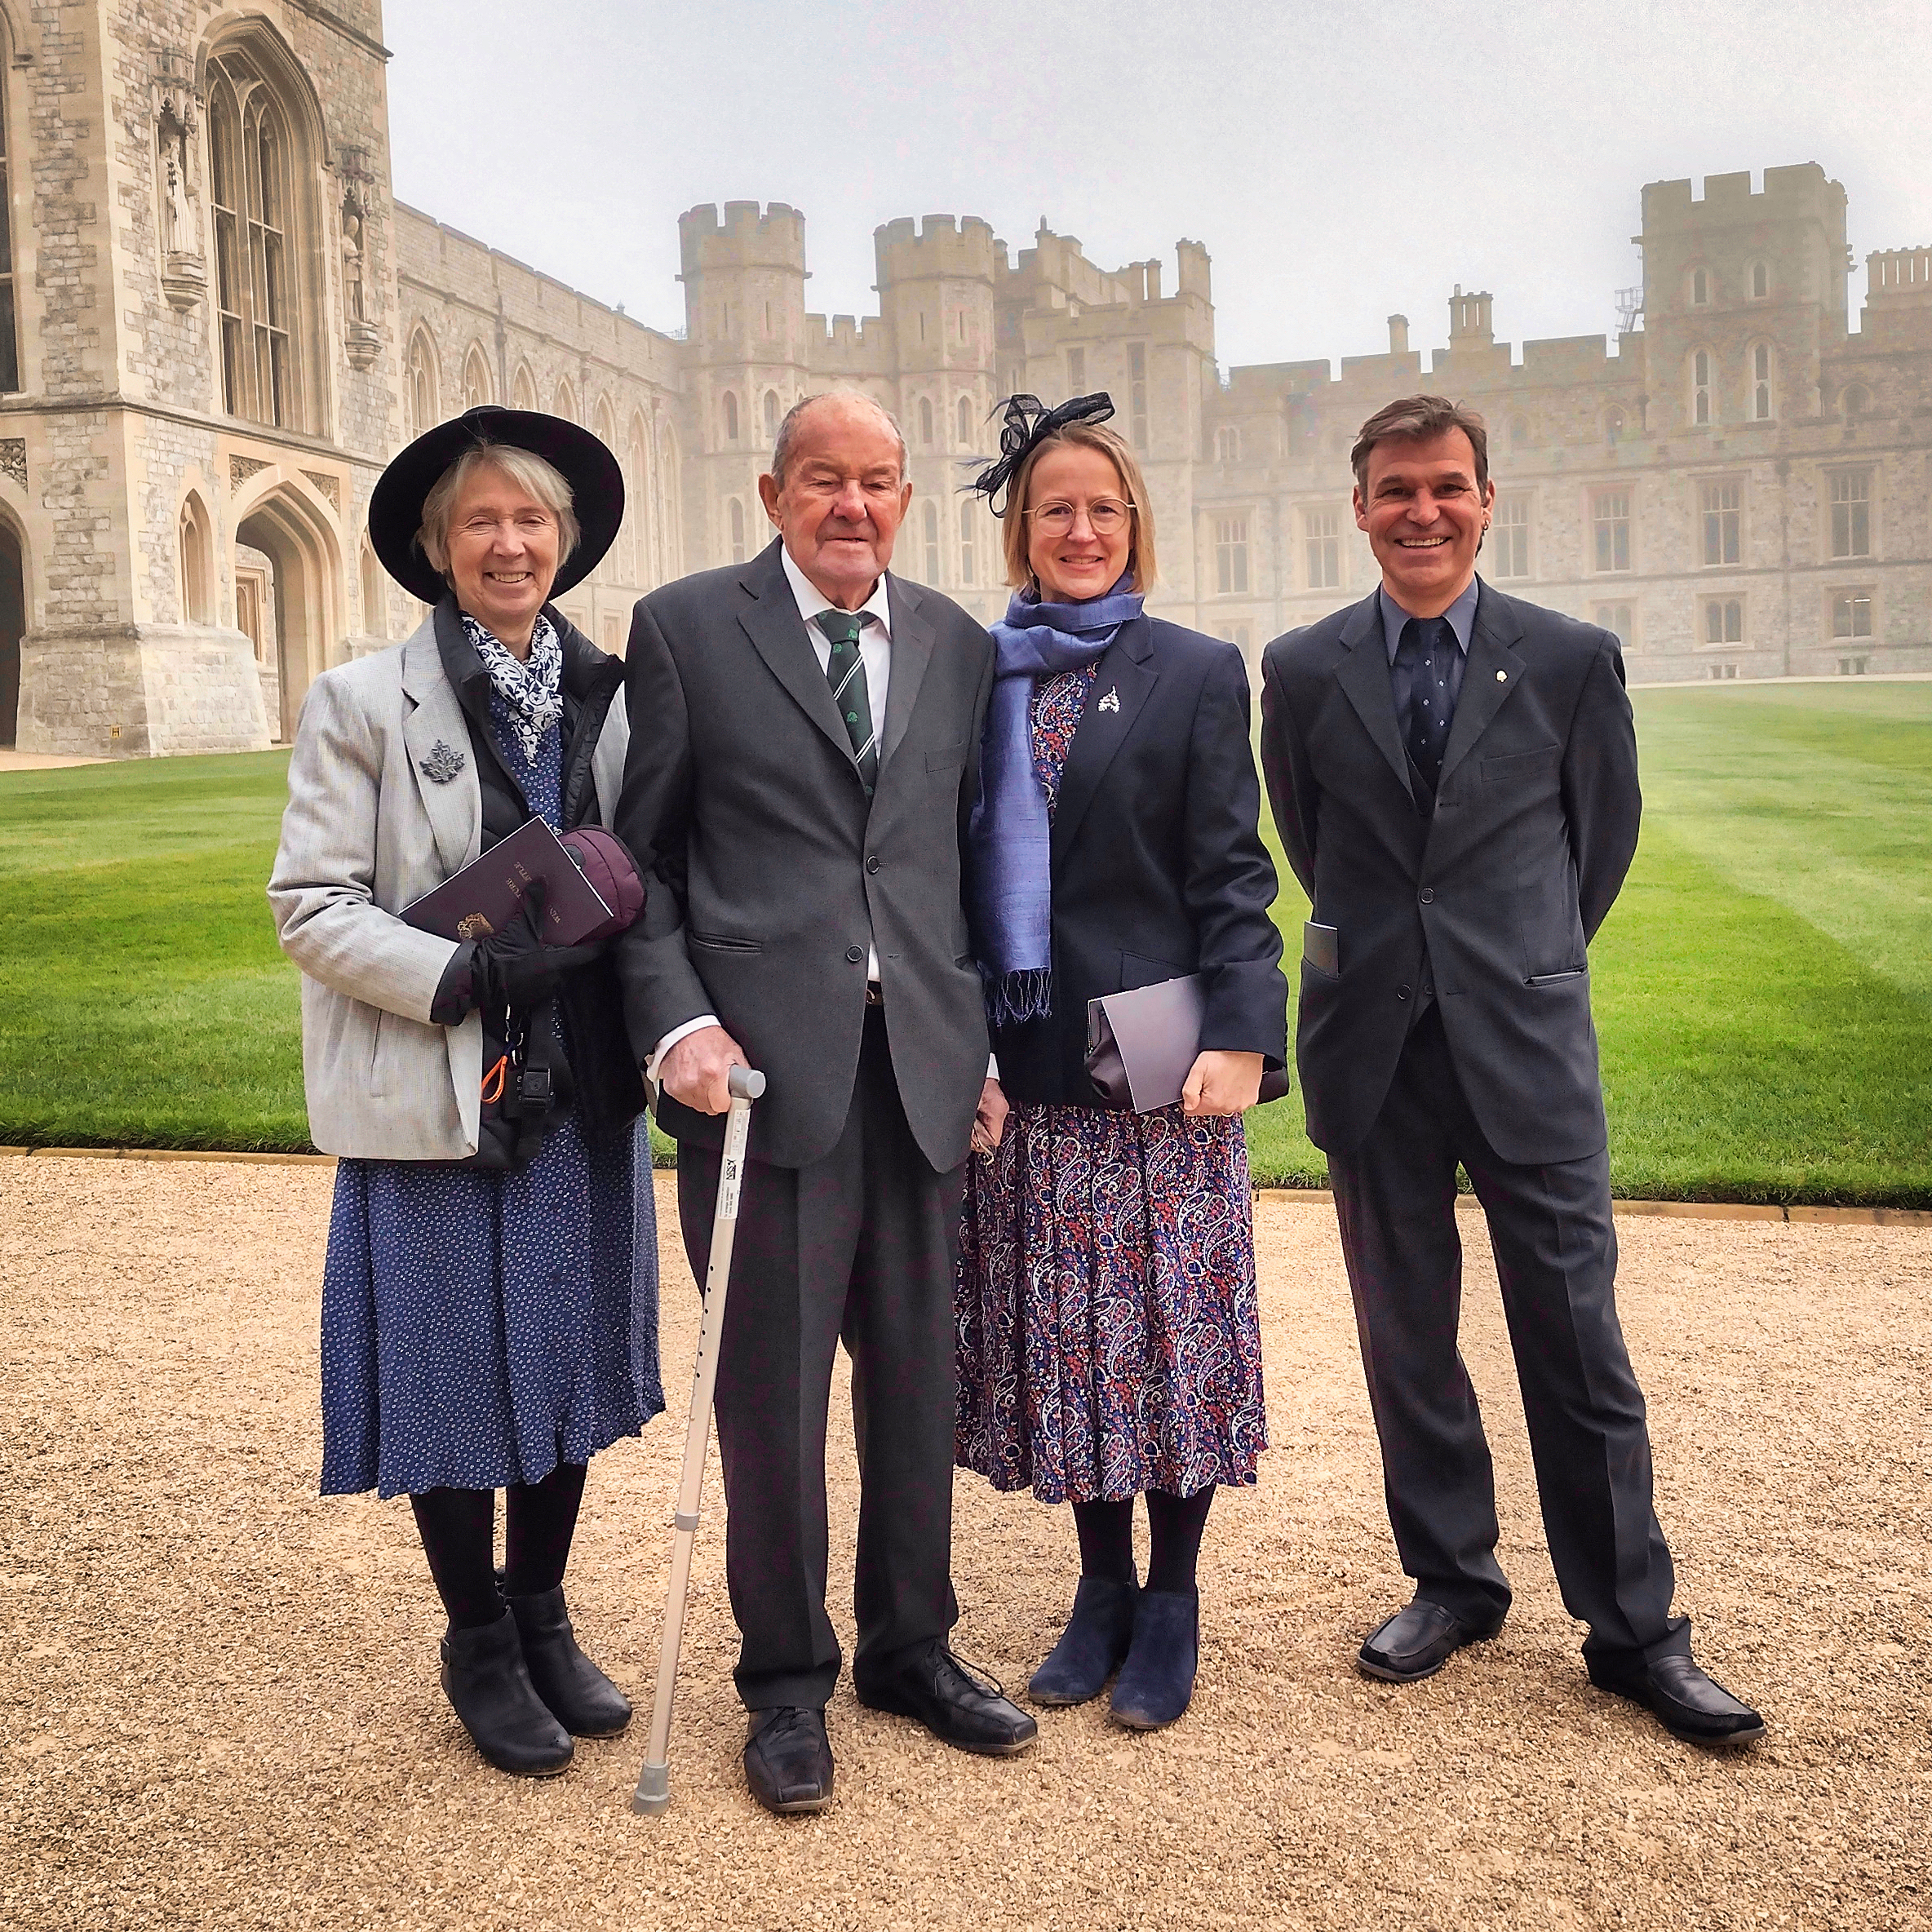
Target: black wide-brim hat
{"points": [[582, 459]]}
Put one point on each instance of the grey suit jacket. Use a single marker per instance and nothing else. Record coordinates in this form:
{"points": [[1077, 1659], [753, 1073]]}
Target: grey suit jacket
{"points": [[1504, 878], [366, 830], [767, 876]]}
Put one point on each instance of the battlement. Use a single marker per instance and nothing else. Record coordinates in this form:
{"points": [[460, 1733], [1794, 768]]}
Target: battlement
{"points": [[848, 345], [1567, 359], [1801, 190], [961, 251], [747, 238], [1898, 277]]}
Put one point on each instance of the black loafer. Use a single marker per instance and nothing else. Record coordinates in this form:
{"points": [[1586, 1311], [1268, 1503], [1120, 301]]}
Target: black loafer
{"points": [[1690, 1705], [958, 1706], [788, 1760], [1416, 1642], [489, 1686], [580, 1697]]}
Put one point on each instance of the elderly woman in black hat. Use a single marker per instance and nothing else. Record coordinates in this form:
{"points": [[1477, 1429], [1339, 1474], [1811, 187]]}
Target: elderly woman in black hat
{"points": [[489, 1297]]}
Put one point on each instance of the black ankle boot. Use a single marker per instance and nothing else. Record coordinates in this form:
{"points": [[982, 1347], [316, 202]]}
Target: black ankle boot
{"points": [[579, 1696], [489, 1686]]}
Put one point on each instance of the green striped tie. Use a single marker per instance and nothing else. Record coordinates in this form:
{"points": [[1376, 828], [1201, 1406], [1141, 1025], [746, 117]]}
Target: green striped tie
{"points": [[845, 670]]}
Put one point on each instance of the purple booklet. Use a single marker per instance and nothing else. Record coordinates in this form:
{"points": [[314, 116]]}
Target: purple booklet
{"points": [[487, 894], [1141, 1045]]}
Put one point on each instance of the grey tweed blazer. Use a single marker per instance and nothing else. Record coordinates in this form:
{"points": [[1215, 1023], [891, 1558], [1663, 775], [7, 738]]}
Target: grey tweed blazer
{"points": [[367, 830]]}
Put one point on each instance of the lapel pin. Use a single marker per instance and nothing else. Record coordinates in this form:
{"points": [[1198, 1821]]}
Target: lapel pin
{"points": [[442, 764], [1502, 677], [1111, 702]]}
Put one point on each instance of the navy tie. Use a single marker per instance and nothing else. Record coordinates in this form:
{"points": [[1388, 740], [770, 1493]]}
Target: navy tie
{"points": [[1424, 654]]}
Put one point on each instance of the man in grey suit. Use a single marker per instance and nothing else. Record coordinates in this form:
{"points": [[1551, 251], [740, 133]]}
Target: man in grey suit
{"points": [[805, 756], [1454, 774]]}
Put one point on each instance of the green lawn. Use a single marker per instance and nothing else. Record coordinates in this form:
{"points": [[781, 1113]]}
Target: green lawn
{"points": [[1763, 987]]}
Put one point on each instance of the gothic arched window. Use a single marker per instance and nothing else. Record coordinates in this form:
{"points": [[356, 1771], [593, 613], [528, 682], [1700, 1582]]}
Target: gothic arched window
{"points": [[965, 422], [730, 416], [564, 403], [1701, 387], [419, 386], [737, 531], [925, 421], [523, 391], [478, 388], [1760, 382], [637, 503], [251, 189], [773, 414]]}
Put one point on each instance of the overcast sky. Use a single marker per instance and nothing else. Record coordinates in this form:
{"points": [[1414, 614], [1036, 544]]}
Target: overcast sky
{"points": [[1340, 162]]}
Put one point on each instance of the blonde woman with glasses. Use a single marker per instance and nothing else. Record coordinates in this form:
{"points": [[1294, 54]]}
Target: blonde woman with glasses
{"points": [[1108, 1341]]}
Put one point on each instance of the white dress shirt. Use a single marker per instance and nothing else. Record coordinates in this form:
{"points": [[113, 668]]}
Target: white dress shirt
{"points": [[875, 653]]}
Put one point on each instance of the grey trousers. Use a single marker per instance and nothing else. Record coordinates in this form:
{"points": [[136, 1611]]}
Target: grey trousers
{"points": [[861, 1247], [1556, 1256]]}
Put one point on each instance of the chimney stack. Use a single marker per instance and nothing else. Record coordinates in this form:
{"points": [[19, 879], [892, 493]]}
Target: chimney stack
{"points": [[1399, 335]]}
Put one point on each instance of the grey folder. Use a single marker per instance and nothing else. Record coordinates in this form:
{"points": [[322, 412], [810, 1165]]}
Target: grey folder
{"points": [[1141, 1044]]}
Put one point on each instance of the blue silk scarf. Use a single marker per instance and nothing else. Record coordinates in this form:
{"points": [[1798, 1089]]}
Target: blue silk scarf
{"points": [[1010, 840]]}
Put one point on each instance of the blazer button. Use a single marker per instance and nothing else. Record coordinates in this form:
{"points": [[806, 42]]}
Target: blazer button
{"points": [[855, 953], [1401, 992], [1428, 895], [872, 862]]}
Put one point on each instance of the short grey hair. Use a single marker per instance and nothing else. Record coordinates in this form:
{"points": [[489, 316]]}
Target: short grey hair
{"points": [[788, 429], [527, 470]]}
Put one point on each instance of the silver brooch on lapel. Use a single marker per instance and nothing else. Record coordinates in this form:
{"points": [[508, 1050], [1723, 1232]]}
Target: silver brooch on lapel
{"points": [[1111, 702], [442, 764]]}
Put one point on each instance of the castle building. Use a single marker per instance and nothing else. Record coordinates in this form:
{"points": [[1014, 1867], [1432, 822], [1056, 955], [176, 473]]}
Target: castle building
{"points": [[216, 324]]}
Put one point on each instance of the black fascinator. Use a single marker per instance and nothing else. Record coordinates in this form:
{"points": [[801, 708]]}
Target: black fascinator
{"points": [[1029, 423]]}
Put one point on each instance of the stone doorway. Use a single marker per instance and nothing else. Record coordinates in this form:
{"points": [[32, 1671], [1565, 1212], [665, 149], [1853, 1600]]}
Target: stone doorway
{"points": [[13, 621], [254, 613]]}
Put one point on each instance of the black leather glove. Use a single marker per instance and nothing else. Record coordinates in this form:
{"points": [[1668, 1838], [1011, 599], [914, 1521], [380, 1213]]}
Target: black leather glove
{"points": [[513, 967]]}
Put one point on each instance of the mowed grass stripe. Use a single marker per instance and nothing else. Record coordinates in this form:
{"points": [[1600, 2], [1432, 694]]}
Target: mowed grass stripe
{"points": [[1747, 1056], [1756, 1044], [1824, 807]]}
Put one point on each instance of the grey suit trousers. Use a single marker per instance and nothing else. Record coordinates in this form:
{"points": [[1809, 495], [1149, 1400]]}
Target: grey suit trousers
{"points": [[858, 1246], [1555, 1259]]}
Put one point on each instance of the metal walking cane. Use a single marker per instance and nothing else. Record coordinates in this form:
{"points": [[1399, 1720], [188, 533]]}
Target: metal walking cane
{"points": [[653, 1795]]}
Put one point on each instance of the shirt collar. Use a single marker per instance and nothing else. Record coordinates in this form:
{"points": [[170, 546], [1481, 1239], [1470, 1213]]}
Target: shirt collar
{"points": [[1461, 615], [811, 600]]}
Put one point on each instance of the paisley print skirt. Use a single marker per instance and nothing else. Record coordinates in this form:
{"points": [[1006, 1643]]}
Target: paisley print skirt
{"points": [[1108, 1339]]}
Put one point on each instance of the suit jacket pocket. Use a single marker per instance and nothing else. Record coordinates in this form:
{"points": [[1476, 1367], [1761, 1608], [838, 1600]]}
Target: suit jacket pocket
{"points": [[1557, 979], [1520, 764], [1137, 969], [948, 759], [722, 942]]}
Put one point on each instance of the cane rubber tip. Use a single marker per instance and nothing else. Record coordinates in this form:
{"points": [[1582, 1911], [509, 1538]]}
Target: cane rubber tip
{"points": [[651, 1807], [653, 1795]]}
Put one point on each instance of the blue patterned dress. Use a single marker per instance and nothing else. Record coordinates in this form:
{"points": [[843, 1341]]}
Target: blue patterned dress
{"points": [[479, 1328], [1109, 1337]]}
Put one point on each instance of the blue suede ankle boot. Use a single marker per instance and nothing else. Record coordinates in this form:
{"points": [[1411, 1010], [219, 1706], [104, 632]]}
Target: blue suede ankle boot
{"points": [[1091, 1646], [1157, 1682]]}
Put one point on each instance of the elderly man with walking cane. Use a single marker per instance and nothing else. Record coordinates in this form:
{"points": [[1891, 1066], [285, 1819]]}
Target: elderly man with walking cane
{"points": [[806, 754]]}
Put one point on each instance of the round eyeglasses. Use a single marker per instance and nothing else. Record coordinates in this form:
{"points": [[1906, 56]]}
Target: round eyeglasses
{"points": [[1105, 516]]}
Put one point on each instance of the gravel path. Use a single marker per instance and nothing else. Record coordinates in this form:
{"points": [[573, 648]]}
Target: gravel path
{"points": [[220, 1706]]}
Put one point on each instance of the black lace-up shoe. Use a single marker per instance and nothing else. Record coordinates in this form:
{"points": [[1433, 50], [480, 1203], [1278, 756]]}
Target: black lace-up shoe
{"points": [[788, 1760], [958, 1705]]}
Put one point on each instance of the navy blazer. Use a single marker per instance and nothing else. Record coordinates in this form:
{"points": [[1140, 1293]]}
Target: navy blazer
{"points": [[1159, 869], [1504, 878]]}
